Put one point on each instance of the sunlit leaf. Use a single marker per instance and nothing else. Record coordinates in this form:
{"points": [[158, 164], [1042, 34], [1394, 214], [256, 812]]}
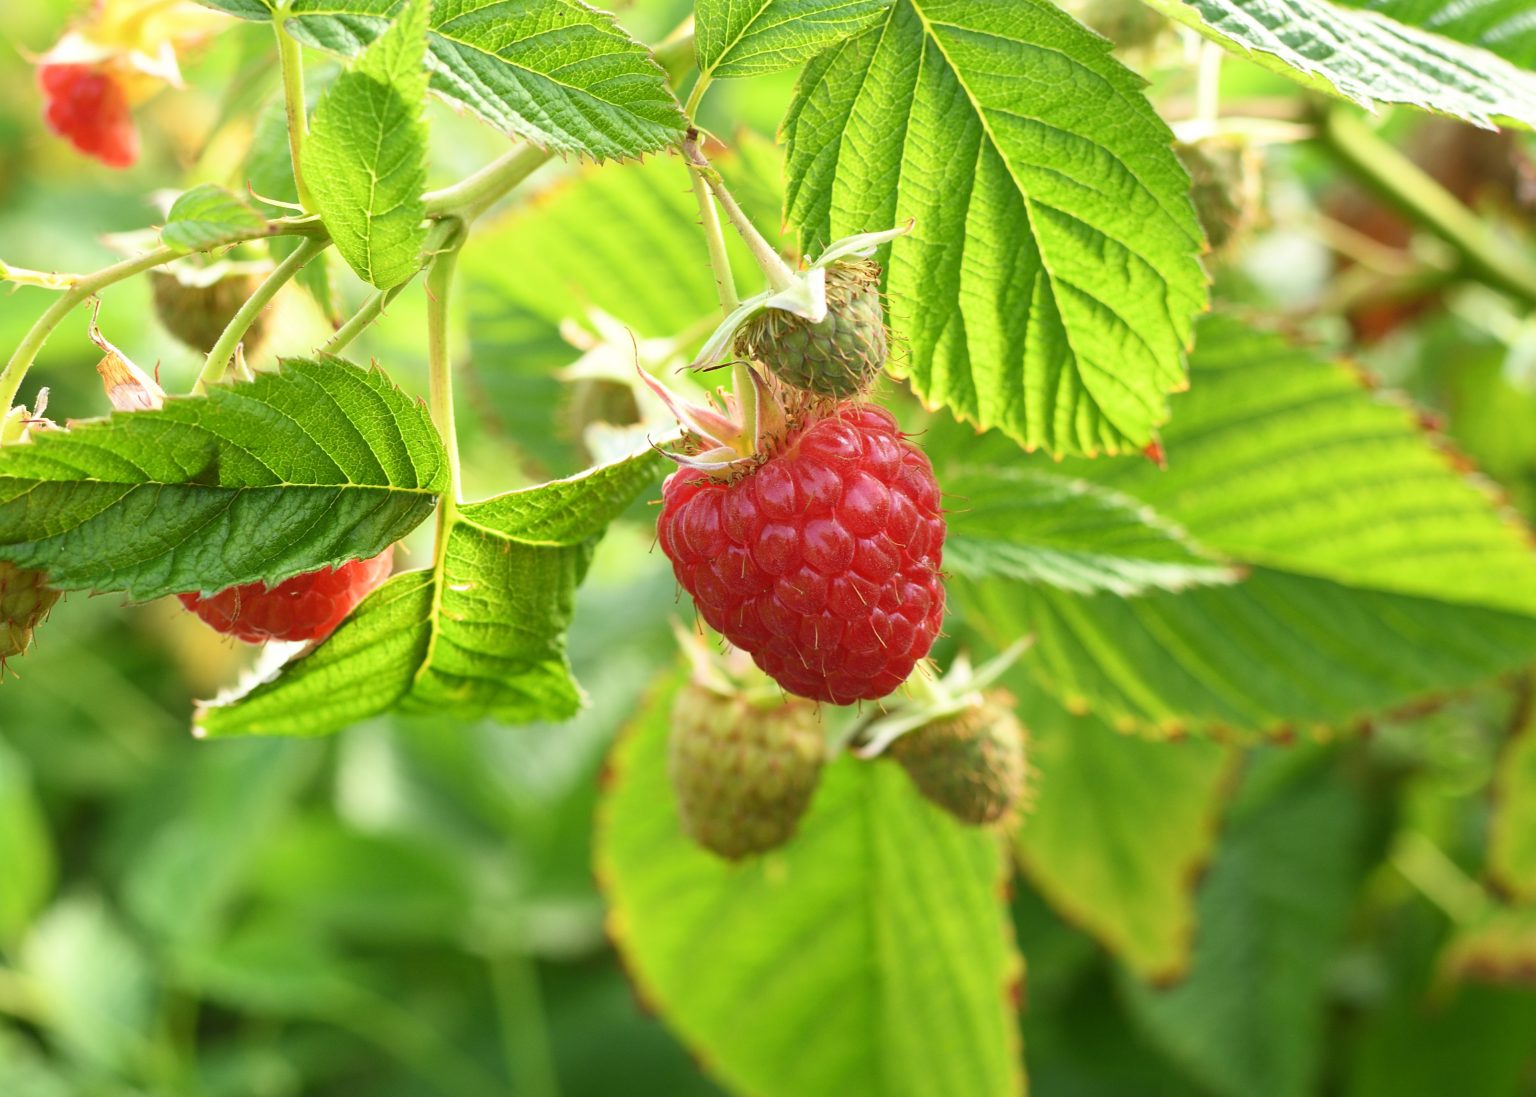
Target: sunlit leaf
{"points": [[365, 160], [867, 958], [1050, 281], [1117, 831], [482, 633]]}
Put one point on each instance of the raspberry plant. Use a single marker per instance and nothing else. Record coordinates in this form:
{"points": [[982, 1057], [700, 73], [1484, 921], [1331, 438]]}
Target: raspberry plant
{"points": [[1002, 408]]}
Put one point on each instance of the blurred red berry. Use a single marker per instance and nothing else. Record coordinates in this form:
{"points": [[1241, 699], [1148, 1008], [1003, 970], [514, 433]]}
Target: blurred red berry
{"points": [[306, 607], [87, 106], [822, 562]]}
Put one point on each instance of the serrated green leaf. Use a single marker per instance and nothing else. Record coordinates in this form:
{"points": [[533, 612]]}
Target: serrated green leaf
{"points": [[1036, 527], [365, 160], [825, 967], [1050, 283], [1504, 27], [1276, 653], [1248, 1019], [480, 634], [557, 72], [26, 850], [752, 37], [207, 216], [1365, 57], [1382, 573], [318, 463], [1512, 835], [1117, 831]]}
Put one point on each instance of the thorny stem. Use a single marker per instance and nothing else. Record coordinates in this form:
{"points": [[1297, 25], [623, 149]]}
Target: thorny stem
{"points": [[291, 60], [223, 350], [472, 196], [777, 271], [440, 366], [83, 287], [369, 312], [1407, 185], [714, 238], [700, 86]]}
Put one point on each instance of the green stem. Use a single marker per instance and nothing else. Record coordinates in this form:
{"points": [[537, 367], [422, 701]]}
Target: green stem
{"points": [[1407, 186], [218, 358], [714, 239], [472, 196], [364, 316], [291, 61], [1439, 879], [440, 367], [777, 271], [26, 351], [83, 287], [700, 86], [524, 1029]]}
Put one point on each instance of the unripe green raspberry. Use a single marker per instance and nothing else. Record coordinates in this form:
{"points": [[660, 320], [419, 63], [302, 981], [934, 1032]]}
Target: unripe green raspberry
{"points": [[970, 764], [25, 600], [743, 771], [839, 357]]}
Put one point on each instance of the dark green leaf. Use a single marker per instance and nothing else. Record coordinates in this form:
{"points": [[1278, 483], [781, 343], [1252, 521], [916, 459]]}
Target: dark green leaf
{"points": [[318, 463], [1504, 27], [1248, 1020]]}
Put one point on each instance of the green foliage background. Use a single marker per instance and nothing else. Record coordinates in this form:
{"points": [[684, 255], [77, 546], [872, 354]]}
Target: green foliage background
{"points": [[411, 907]]}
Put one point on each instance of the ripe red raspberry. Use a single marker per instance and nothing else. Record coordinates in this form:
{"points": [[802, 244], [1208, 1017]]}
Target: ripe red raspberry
{"points": [[306, 607], [823, 561], [89, 107]]}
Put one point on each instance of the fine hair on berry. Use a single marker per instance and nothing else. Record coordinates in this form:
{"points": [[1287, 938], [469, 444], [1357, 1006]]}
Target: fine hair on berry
{"points": [[822, 561]]}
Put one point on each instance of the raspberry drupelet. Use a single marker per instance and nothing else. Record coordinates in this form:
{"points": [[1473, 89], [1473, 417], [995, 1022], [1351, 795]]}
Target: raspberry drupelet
{"points": [[306, 607], [90, 108], [823, 561]]}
